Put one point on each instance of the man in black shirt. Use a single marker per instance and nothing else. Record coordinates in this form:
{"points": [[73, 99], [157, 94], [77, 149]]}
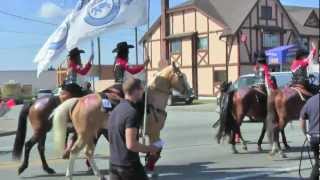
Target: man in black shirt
{"points": [[310, 112], [123, 128]]}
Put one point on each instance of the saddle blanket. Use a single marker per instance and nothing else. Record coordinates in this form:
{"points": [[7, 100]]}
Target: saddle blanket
{"points": [[106, 104]]}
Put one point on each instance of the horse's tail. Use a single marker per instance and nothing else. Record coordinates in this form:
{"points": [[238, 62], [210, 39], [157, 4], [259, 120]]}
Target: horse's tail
{"points": [[21, 131], [226, 119], [271, 117], [61, 116]]}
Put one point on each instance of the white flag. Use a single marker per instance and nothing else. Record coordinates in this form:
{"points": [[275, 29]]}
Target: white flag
{"points": [[56, 43], [99, 16]]}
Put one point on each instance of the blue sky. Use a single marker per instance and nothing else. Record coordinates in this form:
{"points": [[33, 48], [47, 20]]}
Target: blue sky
{"points": [[22, 39]]}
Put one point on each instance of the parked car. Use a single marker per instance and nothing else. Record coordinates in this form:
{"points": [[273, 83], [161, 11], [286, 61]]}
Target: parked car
{"points": [[43, 93], [282, 78], [175, 97]]}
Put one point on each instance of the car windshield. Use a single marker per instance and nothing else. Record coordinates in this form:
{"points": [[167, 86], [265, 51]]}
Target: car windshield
{"points": [[246, 81], [283, 79]]}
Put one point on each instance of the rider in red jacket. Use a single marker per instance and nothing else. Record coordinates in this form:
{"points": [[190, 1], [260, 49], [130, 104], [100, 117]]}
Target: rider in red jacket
{"points": [[300, 64], [263, 72], [121, 62]]}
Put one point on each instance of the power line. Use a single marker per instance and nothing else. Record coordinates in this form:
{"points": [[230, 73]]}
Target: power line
{"points": [[24, 33], [26, 18]]}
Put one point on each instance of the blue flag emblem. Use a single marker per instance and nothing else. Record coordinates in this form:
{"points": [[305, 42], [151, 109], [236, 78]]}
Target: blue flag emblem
{"points": [[62, 34], [102, 12]]}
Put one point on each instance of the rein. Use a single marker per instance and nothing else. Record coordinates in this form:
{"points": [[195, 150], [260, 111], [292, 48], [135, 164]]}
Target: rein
{"points": [[155, 110], [299, 93]]}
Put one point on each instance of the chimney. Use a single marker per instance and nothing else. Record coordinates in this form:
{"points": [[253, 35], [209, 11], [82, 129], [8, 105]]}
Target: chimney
{"points": [[164, 29]]}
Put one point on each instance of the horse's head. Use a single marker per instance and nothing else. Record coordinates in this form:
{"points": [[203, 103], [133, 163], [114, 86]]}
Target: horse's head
{"points": [[179, 81], [171, 77]]}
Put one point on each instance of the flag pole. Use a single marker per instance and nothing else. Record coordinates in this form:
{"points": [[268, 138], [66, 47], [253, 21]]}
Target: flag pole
{"points": [[144, 132], [99, 58], [136, 39], [92, 77]]}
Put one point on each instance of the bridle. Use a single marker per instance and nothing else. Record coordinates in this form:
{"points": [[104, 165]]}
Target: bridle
{"points": [[155, 110]]}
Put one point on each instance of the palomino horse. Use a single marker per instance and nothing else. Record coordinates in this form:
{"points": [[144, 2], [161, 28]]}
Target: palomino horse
{"points": [[38, 114], [234, 106], [88, 119], [281, 111]]}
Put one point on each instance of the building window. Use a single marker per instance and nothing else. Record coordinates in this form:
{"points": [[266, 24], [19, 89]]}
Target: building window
{"points": [[266, 12], [176, 47], [202, 43], [271, 40], [220, 76]]}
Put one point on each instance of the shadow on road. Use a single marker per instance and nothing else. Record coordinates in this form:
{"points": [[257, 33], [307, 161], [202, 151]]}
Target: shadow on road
{"points": [[202, 171]]}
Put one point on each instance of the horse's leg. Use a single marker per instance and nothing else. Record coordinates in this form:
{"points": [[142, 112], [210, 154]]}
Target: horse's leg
{"points": [[275, 138], [263, 132], [89, 152], [41, 149], [77, 147], [95, 141], [284, 140], [233, 142], [70, 144], [28, 146], [244, 142]]}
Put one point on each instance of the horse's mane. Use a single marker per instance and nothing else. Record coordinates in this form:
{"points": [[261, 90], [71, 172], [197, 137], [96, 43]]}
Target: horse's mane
{"points": [[163, 74]]}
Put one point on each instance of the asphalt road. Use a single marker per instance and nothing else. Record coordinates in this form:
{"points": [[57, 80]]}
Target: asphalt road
{"points": [[191, 153]]}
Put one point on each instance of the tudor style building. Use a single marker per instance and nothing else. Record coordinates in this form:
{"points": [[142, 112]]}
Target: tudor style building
{"points": [[214, 40]]}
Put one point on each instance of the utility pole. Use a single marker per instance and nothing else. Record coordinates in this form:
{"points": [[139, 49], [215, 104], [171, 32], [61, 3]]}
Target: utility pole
{"points": [[99, 59], [164, 30], [136, 36]]}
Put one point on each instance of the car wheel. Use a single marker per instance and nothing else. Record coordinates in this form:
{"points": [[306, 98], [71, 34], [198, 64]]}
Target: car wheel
{"points": [[170, 101]]}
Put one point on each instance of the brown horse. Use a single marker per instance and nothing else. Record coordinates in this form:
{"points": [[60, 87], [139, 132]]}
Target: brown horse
{"points": [[281, 111], [38, 114], [88, 119], [234, 106]]}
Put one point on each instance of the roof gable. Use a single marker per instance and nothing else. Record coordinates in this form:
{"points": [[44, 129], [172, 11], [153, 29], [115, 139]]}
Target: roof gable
{"points": [[312, 20], [305, 19]]}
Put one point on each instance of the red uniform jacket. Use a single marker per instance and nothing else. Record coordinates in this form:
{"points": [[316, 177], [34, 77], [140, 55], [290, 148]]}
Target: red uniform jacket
{"points": [[123, 63], [79, 70], [267, 75], [297, 64]]}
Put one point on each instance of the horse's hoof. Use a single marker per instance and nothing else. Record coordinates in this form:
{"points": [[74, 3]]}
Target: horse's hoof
{"points": [[235, 151], [102, 178], [49, 170], [152, 175], [21, 169], [271, 154], [283, 155], [66, 155], [260, 149], [90, 171], [245, 148], [287, 147]]}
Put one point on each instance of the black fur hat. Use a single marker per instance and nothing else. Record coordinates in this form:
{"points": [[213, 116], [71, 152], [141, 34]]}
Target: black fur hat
{"points": [[301, 53], [122, 46], [261, 57]]}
